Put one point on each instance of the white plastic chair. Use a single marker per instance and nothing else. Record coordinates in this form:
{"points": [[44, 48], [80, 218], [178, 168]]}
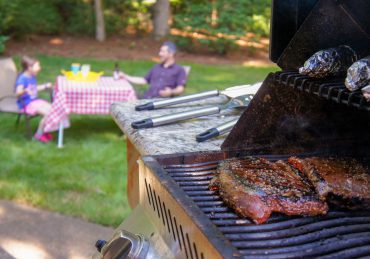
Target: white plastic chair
{"points": [[8, 99]]}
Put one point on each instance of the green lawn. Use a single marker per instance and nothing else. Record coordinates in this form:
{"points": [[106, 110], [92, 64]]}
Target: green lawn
{"points": [[87, 178]]}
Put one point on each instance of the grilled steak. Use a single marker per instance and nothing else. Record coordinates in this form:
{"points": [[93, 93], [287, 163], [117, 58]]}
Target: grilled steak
{"points": [[255, 187], [344, 182]]}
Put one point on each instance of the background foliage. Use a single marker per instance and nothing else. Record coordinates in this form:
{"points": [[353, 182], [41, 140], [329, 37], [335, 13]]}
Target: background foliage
{"points": [[213, 25], [22, 17], [219, 23], [3, 39], [50, 17]]}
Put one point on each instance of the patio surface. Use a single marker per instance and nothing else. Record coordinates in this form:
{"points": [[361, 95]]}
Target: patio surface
{"points": [[27, 232]]}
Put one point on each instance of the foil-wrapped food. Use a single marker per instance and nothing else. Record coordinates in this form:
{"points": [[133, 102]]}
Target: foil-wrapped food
{"points": [[358, 75], [329, 62], [366, 92]]}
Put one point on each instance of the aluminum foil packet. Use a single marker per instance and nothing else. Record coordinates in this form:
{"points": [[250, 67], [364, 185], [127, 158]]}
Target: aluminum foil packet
{"points": [[366, 92], [358, 75], [329, 62]]}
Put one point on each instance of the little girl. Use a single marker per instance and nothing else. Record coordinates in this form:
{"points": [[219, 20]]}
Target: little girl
{"points": [[28, 102]]}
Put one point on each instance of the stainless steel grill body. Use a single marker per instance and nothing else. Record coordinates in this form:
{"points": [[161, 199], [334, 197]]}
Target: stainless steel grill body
{"points": [[197, 222]]}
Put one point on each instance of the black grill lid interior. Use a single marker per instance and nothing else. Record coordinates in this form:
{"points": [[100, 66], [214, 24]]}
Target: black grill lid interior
{"points": [[286, 18], [300, 28], [290, 115], [297, 114]]}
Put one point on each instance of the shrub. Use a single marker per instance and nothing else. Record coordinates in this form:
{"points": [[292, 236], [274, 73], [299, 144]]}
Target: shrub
{"points": [[78, 16], [7, 10], [122, 14], [220, 22], [3, 39], [22, 17]]}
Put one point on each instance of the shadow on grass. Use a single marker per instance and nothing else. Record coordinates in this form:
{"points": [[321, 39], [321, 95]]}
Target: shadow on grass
{"points": [[92, 125], [82, 127]]}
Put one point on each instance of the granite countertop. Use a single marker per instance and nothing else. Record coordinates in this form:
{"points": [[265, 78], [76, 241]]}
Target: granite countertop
{"points": [[172, 138]]}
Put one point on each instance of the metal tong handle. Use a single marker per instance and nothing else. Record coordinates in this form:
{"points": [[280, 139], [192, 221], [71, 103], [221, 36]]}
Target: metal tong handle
{"points": [[176, 100], [166, 119], [215, 132]]}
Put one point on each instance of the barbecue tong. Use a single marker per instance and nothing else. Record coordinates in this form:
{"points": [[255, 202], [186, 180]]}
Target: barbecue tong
{"points": [[237, 102], [229, 92], [217, 131]]}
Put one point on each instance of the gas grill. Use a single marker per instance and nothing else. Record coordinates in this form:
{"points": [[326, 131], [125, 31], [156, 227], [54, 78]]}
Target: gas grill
{"points": [[186, 177], [291, 115], [179, 217]]}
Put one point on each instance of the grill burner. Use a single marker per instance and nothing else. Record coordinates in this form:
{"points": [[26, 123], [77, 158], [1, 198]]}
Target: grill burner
{"points": [[337, 234]]}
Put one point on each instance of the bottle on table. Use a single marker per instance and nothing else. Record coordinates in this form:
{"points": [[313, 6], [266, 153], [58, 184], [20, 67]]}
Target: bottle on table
{"points": [[116, 72]]}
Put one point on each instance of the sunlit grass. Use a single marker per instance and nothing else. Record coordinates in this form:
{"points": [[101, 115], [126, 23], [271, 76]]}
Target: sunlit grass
{"points": [[87, 178]]}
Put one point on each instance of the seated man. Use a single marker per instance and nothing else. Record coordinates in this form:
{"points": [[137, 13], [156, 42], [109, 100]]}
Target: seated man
{"points": [[166, 79]]}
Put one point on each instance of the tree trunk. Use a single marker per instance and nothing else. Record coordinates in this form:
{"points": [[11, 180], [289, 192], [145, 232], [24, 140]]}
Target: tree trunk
{"points": [[160, 19], [100, 27]]}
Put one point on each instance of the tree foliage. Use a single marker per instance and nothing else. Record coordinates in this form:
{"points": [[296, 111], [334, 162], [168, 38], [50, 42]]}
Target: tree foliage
{"points": [[216, 23], [21, 17], [3, 39]]}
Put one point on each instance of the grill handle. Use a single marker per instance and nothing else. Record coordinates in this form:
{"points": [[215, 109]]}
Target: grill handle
{"points": [[145, 106], [215, 132], [142, 124], [166, 119], [176, 100], [210, 133]]}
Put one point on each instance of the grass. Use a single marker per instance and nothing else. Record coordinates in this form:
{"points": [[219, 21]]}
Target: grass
{"points": [[87, 178]]}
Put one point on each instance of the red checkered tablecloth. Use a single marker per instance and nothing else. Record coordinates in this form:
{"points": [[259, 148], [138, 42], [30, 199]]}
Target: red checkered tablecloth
{"points": [[85, 98]]}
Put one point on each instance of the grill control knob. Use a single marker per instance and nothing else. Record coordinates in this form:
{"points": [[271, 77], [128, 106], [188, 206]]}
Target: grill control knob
{"points": [[123, 244], [99, 244]]}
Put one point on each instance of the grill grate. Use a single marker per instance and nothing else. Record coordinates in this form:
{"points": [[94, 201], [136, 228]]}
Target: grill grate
{"points": [[331, 89], [338, 234]]}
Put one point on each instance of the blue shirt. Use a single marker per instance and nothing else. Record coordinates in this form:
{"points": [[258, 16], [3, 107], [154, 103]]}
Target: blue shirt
{"points": [[28, 82], [160, 77]]}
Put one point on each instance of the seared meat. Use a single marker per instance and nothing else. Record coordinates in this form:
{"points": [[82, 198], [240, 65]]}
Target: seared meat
{"points": [[255, 187], [344, 182]]}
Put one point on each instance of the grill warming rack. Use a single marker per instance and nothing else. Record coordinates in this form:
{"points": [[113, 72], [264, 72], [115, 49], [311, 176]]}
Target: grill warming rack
{"points": [[332, 89]]}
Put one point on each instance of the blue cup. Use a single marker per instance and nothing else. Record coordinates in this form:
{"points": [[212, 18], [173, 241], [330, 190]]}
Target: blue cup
{"points": [[75, 68]]}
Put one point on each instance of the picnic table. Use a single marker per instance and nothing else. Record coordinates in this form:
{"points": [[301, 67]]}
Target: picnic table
{"points": [[80, 97]]}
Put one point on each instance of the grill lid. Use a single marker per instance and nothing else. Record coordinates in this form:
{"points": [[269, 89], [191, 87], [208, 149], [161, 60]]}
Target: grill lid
{"points": [[293, 114], [300, 28]]}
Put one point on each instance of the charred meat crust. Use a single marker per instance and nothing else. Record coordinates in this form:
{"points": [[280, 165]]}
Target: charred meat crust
{"points": [[343, 182], [255, 187]]}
